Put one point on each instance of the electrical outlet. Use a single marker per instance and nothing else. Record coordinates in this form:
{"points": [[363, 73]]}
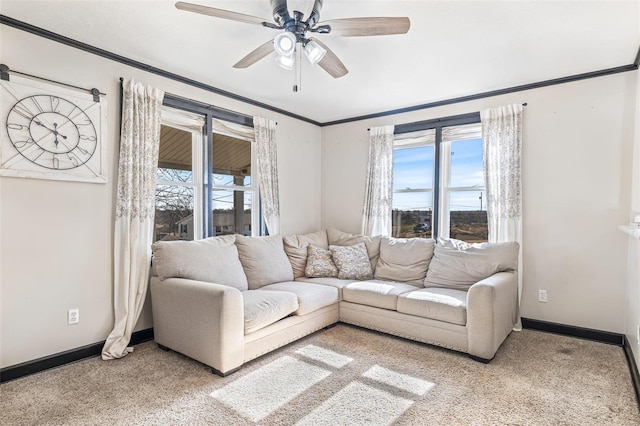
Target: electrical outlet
{"points": [[73, 316], [542, 296]]}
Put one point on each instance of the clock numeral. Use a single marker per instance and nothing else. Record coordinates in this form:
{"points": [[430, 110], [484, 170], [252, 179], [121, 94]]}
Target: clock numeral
{"points": [[22, 144], [23, 112], [85, 122], [73, 159], [14, 126], [82, 150], [55, 102], [37, 104], [87, 138], [56, 161]]}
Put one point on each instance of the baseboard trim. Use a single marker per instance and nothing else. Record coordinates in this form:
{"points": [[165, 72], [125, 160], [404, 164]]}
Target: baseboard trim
{"points": [[595, 335], [633, 368], [573, 331], [56, 360]]}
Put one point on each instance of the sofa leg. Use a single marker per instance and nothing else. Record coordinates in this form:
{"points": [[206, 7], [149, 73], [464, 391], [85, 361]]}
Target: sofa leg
{"points": [[331, 326], [221, 374], [482, 360], [164, 348]]}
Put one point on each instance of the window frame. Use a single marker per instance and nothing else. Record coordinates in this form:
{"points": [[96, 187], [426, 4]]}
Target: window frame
{"points": [[203, 196], [441, 187]]}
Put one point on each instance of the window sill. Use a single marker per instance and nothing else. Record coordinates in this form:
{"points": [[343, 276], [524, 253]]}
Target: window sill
{"points": [[632, 230]]}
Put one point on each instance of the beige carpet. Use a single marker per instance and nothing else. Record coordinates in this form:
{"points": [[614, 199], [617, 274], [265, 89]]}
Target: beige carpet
{"points": [[341, 376]]}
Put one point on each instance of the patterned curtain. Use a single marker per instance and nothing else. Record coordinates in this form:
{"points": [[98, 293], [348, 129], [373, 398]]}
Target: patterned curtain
{"points": [[379, 190], [135, 208], [502, 146], [265, 133]]}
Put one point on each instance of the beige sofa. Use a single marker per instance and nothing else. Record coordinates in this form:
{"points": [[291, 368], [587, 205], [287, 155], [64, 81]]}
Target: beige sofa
{"points": [[227, 300]]}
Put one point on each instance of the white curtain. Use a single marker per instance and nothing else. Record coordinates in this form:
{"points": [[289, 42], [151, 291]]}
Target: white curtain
{"points": [[139, 143], [378, 197], [502, 146], [267, 161]]}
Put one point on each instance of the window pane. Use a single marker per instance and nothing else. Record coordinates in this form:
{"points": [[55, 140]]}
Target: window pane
{"points": [[468, 216], [231, 161], [413, 168], [174, 157], [466, 163], [174, 213], [231, 212], [411, 215]]}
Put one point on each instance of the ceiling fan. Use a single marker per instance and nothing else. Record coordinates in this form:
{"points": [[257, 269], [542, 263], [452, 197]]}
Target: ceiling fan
{"points": [[295, 33]]}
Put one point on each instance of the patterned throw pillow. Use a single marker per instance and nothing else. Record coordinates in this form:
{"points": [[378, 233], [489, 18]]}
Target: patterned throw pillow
{"points": [[319, 263], [352, 262]]}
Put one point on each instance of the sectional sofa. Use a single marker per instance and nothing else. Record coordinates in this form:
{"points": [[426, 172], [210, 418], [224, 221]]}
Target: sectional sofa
{"points": [[227, 300]]}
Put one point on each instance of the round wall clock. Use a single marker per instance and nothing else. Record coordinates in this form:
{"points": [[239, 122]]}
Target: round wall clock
{"points": [[52, 132]]}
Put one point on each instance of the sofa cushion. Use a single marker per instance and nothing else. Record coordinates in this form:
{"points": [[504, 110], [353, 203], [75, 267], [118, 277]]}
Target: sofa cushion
{"points": [[332, 282], [264, 260], [296, 248], [376, 293], [319, 263], [339, 238], [457, 264], [262, 308], [442, 304], [404, 259], [213, 260], [311, 297], [352, 262]]}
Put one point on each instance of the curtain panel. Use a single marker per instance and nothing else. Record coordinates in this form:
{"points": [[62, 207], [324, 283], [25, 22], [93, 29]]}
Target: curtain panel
{"points": [[502, 147], [135, 209], [378, 198], [267, 162]]}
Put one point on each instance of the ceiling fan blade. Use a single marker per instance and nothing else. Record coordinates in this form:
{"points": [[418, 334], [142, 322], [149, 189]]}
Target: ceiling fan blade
{"points": [[255, 55], [221, 13], [331, 63], [362, 27]]}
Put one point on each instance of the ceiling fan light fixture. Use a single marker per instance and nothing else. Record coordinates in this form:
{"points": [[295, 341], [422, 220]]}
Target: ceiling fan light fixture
{"points": [[285, 43], [314, 52], [285, 62]]}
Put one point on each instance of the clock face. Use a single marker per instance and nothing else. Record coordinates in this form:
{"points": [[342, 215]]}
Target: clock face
{"points": [[51, 132]]}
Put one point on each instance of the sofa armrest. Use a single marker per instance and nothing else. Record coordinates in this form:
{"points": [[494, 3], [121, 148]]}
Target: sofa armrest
{"points": [[492, 306], [202, 320]]}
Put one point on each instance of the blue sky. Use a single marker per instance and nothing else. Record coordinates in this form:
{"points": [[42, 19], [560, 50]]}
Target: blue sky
{"points": [[414, 168]]}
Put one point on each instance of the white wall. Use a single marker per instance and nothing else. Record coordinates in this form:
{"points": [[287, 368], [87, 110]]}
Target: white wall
{"points": [[633, 264], [576, 177], [56, 237]]}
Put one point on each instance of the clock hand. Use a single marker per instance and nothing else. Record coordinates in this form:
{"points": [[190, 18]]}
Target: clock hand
{"points": [[55, 132]]}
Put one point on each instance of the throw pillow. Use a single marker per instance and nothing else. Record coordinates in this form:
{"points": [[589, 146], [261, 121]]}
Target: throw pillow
{"points": [[404, 259], [352, 262], [339, 238], [458, 265], [264, 260], [319, 263], [296, 248], [212, 260]]}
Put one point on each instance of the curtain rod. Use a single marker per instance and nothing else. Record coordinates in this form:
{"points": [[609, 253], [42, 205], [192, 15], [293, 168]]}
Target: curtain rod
{"points": [[524, 105], [5, 70]]}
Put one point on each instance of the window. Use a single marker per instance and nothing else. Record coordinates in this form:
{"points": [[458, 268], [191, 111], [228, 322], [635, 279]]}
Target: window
{"points": [[205, 185], [438, 180]]}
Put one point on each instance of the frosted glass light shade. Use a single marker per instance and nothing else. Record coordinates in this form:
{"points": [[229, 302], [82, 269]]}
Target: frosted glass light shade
{"points": [[285, 62], [285, 43], [314, 52]]}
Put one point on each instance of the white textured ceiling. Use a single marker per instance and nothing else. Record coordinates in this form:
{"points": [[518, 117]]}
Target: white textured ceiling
{"points": [[452, 49]]}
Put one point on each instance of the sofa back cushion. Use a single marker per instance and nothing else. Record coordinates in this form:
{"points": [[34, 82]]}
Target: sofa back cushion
{"points": [[296, 248], [352, 262], [212, 260], [339, 238], [404, 259], [264, 260], [458, 265], [319, 263]]}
